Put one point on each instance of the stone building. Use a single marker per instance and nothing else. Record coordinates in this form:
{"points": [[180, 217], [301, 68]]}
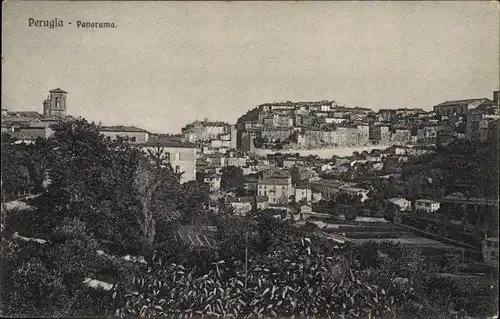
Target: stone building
{"points": [[27, 126], [205, 130], [55, 104], [380, 134], [460, 107], [181, 155], [134, 134], [278, 190]]}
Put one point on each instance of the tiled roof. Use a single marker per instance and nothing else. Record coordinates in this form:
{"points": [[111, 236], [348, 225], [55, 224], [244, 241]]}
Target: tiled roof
{"points": [[155, 141], [11, 123], [58, 90], [29, 114], [26, 135], [328, 182], [273, 181], [121, 128], [427, 201], [53, 119], [290, 103], [248, 199], [463, 102]]}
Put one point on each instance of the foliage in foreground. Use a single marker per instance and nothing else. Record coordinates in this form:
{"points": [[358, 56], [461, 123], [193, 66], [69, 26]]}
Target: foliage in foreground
{"points": [[301, 277], [99, 198]]}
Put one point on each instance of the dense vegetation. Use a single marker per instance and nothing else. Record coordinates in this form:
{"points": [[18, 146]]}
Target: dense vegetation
{"points": [[107, 196]]}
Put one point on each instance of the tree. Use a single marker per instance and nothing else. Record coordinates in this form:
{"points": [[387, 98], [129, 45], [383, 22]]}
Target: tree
{"points": [[192, 201], [232, 178], [146, 184], [107, 184], [414, 190], [15, 166]]}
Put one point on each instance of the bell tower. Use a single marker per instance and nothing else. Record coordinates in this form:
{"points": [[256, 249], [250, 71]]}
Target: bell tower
{"points": [[55, 104], [46, 107]]}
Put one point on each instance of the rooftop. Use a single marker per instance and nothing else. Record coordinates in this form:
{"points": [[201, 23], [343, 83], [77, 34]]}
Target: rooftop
{"points": [[463, 102], [120, 128], [328, 182], [30, 114], [248, 199], [273, 181], [58, 90], [430, 201], [26, 135], [157, 141], [299, 103]]}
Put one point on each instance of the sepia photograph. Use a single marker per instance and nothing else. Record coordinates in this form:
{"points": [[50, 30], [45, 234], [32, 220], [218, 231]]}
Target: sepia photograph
{"points": [[250, 159]]}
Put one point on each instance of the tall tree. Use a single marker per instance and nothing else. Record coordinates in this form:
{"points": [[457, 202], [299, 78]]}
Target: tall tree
{"points": [[232, 178]]}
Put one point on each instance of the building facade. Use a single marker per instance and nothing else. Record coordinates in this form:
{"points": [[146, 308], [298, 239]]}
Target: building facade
{"points": [[278, 190], [460, 107], [55, 104], [180, 155], [133, 134], [427, 205], [243, 205], [490, 250]]}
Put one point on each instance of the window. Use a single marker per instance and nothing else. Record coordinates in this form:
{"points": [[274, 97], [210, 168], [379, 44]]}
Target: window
{"points": [[133, 139], [177, 156], [177, 169], [167, 156]]}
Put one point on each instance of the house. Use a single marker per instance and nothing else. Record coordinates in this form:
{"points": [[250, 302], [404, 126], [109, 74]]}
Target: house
{"points": [[401, 149], [354, 191], [328, 188], [427, 205], [303, 193], [301, 175], [291, 162], [401, 135], [375, 156], [490, 250], [206, 131], [300, 212], [251, 184], [278, 190], [213, 182], [402, 203], [419, 150], [243, 205], [134, 134], [461, 107], [236, 161], [488, 130], [181, 155]]}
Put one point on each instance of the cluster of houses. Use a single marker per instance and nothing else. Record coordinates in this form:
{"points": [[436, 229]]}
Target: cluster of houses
{"points": [[291, 183], [309, 125], [294, 184]]}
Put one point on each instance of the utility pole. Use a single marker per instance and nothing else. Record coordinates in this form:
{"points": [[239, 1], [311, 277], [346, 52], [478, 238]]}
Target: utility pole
{"points": [[246, 258], [248, 217]]}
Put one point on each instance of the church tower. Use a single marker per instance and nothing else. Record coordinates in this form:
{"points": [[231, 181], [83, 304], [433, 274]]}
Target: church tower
{"points": [[55, 104]]}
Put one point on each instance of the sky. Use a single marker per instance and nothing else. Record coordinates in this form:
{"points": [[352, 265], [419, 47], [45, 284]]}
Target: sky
{"points": [[167, 64]]}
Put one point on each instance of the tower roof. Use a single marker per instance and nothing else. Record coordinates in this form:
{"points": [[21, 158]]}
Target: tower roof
{"points": [[58, 90]]}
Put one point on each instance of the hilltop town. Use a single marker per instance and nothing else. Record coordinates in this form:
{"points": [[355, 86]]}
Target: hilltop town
{"points": [[419, 180]]}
